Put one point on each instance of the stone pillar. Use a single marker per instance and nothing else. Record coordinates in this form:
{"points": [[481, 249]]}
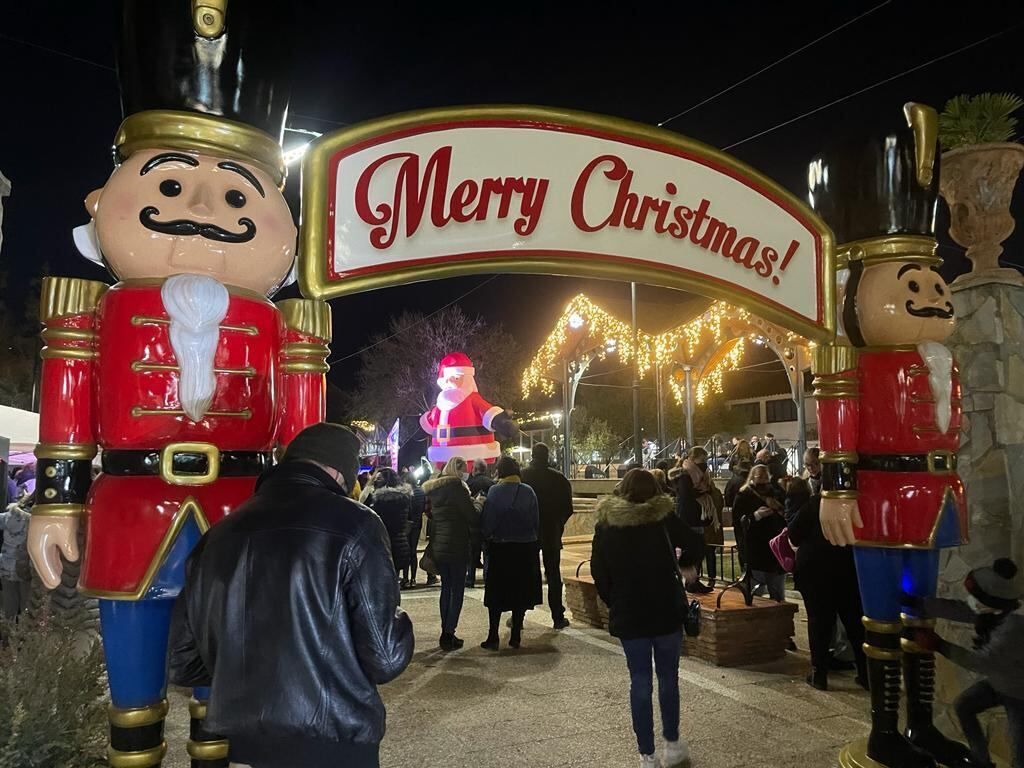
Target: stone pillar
{"points": [[989, 347]]}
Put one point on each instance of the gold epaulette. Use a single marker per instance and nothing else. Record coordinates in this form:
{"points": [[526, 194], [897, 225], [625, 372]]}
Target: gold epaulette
{"points": [[307, 316], [64, 296], [832, 359]]}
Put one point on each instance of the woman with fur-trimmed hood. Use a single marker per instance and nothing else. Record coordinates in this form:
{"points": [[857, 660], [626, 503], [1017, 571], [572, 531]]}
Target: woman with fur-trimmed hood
{"points": [[635, 567], [391, 499]]}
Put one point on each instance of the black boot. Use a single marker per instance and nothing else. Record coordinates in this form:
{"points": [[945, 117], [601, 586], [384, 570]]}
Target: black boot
{"points": [[137, 736], [207, 750], [818, 678], [919, 679], [886, 745], [516, 638], [491, 643]]}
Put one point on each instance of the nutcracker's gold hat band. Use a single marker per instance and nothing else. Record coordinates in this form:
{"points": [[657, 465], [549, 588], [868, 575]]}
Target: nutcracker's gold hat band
{"points": [[205, 134], [917, 248]]}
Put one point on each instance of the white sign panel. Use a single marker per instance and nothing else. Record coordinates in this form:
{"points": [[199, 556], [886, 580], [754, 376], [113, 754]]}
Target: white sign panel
{"points": [[456, 196]]}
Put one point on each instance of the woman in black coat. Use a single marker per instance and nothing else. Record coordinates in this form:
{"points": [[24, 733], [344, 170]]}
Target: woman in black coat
{"points": [[695, 507], [827, 579], [417, 506], [759, 509], [455, 523], [391, 499], [510, 529], [635, 568]]}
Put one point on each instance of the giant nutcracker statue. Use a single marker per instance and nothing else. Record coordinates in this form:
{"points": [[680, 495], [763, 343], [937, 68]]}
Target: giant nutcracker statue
{"points": [[183, 373], [889, 419], [463, 423]]}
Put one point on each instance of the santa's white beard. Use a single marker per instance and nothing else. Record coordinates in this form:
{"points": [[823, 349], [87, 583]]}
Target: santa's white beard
{"points": [[196, 304], [940, 378], [450, 398]]}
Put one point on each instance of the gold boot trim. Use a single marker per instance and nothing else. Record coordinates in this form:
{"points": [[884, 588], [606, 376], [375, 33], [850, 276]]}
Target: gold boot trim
{"points": [[207, 750], [882, 654], [909, 646], [916, 621], [197, 709], [144, 759], [882, 627], [138, 717]]}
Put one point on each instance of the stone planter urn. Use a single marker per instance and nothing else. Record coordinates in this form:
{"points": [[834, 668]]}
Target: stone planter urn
{"points": [[977, 182]]}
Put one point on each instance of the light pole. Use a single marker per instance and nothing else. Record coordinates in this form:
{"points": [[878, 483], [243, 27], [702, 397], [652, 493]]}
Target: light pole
{"points": [[637, 457]]}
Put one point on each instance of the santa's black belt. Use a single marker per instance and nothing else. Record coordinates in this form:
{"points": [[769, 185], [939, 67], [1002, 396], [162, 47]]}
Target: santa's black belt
{"points": [[186, 463], [446, 433], [935, 462]]}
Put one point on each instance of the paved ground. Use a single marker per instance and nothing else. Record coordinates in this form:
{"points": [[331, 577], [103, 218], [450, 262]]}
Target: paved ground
{"points": [[562, 700]]}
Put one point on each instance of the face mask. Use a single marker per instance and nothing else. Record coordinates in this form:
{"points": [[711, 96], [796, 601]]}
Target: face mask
{"points": [[763, 486], [464, 476]]}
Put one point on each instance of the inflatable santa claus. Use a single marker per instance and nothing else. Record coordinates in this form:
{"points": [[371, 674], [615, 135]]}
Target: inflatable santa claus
{"points": [[463, 423]]}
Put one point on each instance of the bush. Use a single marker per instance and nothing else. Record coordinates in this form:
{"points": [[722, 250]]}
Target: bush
{"points": [[981, 119], [52, 693]]}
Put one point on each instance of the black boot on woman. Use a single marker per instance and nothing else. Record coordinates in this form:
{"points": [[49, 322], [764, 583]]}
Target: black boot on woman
{"points": [[491, 643], [516, 637]]}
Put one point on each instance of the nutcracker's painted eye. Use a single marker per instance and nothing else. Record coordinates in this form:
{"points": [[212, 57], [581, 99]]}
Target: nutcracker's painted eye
{"points": [[939, 290], [913, 286], [234, 198], [170, 188]]}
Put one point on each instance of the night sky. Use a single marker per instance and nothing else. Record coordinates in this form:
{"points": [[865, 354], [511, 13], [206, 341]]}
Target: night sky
{"points": [[60, 110]]}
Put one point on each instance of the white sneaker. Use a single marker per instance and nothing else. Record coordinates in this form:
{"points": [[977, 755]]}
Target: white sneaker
{"points": [[675, 755], [648, 761]]}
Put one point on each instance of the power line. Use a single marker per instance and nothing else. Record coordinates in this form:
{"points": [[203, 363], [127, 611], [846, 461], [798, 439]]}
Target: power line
{"points": [[775, 63], [317, 119], [56, 52], [412, 325], [872, 86]]}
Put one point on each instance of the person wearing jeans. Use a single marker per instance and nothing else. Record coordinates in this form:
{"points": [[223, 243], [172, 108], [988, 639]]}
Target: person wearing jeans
{"points": [[666, 650], [455, 523], [637, 574], [453, 591]]}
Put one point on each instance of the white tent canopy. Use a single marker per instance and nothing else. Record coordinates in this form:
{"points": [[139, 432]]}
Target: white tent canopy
{"points": [[20, 427]]}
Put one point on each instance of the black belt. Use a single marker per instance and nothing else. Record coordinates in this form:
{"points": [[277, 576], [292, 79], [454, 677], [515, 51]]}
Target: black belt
{"points": [[935, 462], [446, 433], [185, 463]]}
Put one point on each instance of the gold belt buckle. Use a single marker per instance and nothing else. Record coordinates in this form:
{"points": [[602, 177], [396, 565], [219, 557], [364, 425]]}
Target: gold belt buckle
{"points": [[210, 451], [444, 434], [941, 462]]}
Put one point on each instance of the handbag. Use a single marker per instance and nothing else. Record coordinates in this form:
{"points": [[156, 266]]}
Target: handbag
{"points": [[427, 562], [783, 551], [691, 612]]}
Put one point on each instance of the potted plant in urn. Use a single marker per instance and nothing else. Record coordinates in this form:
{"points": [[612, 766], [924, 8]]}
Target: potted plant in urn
{"points": [[980, 166]]}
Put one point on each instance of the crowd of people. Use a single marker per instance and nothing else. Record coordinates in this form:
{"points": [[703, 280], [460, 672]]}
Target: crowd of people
{"points": [[15, 568]]}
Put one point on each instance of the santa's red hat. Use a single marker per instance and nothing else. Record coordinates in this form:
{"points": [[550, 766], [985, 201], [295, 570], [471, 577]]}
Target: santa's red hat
{"points": [[455, 362]]}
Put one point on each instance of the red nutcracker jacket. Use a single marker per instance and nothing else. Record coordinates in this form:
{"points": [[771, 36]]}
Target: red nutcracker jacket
{"points": [[882, 444], [464, 430], [109, 381]]}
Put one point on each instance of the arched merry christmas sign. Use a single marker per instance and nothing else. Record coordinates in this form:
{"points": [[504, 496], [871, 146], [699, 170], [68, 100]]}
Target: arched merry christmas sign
{"points": [[460, 191]]}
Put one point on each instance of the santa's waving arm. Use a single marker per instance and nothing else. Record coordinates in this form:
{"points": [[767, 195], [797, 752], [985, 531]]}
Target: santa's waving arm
{"points": [[494, 418]]}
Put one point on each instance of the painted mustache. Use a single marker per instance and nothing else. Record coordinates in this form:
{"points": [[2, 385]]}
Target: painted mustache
{"points": [[184, 227], [945, 314]]}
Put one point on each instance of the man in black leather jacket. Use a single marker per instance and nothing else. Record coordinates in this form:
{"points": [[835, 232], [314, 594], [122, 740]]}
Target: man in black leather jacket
{"points": [[290, 612]]}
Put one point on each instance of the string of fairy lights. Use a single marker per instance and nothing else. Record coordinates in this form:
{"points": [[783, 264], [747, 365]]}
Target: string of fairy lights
{"points": [[585, 325]]}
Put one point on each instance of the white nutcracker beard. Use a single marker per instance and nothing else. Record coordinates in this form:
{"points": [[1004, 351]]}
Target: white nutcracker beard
{"points": [[449, 398], [196, 304], [940, 378]]}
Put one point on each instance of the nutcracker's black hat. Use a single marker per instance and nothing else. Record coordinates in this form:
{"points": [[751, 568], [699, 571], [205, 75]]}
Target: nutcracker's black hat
{"points": [[877, 187], [206, 76]]}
